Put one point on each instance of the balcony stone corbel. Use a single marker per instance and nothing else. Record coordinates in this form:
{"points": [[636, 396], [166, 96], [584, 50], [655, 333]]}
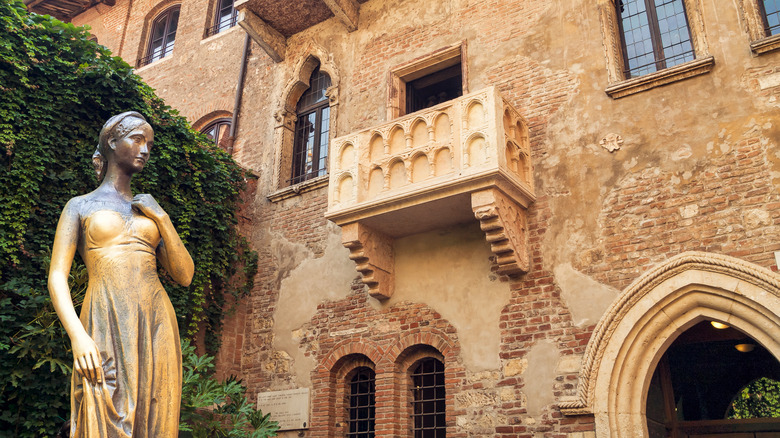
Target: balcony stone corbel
{"points": [[347, 11], [505, 226], [273, 42], [372, 251]]}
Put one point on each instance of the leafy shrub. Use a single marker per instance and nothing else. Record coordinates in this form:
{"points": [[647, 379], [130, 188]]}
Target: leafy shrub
{"points": [[758, 399], [57, 89], [212, 409]]}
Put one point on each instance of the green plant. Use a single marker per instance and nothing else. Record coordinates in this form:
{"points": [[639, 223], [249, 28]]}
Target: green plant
{"points": [[758, 399], [217, 409], [57, 89]]}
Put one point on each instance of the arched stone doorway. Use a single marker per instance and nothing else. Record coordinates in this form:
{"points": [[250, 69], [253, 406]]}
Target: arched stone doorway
{"points": [[632, 336]]}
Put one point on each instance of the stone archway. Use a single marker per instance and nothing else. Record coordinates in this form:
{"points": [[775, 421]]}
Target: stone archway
{"points": [[648, 316]]}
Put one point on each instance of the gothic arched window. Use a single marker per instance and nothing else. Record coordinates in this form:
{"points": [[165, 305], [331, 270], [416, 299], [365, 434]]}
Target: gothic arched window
{"points": [[310, 147]]}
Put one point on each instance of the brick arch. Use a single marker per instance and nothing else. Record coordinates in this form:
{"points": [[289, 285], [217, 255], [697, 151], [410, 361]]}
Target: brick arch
{"points": [[349, 347], [398, 360], [328, 382], [202, 121], [647, 317], [432, 338]]}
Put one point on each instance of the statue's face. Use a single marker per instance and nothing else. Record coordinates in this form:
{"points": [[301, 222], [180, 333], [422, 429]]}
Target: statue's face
{"points": [[131, 152]]}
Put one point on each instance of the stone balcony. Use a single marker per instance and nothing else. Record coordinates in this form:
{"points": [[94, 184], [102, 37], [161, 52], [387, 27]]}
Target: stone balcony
{"points": [[463, 160]]}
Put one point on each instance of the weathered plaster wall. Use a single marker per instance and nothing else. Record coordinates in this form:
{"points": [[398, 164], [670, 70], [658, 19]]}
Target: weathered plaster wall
{"points": [[449, 270], [308, 284]]}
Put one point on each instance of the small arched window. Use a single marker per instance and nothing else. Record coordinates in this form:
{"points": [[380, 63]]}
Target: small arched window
{"points": [[360, 411], [225, 17], [428, 399], [217, 130], [162, 36], [310, 147]]}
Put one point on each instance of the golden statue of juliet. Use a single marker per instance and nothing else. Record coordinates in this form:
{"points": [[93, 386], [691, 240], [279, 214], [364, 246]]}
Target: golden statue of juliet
{"points": [[126, 354]]}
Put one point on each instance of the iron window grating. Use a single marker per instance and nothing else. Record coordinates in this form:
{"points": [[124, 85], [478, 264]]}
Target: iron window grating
{"points": [[361, 407], [654, 35], [428, 399]]}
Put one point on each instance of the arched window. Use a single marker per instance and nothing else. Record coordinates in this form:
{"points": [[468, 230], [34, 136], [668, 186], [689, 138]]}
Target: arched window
{"points": [[655, 35], [770, 12], [698, 379], [361, 407], [225, 17], [162, 36], [428, 399], [310, 147], [217, 130]]}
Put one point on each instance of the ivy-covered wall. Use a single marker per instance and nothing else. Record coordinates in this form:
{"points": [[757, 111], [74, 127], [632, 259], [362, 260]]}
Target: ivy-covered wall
{"points": [[57, 88]]}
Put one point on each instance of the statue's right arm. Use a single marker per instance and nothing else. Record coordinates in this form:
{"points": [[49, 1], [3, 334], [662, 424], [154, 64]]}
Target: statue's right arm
{"points": [[86, 357]]}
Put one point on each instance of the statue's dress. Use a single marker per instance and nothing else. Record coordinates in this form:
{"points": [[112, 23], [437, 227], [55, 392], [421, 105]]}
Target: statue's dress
{"points": [[129, 315]]}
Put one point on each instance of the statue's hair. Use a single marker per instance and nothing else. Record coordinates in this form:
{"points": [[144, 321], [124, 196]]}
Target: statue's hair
{"points": [[115, 127]]}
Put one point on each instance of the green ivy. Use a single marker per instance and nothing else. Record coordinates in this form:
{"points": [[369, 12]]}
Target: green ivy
{"points": [[57, 89]]}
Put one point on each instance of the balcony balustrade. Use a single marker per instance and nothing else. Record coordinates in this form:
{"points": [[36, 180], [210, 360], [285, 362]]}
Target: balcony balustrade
{"points": [[465, 159]]}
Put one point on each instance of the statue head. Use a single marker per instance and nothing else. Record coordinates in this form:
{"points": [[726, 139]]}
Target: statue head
{"points": [[116, 128]]}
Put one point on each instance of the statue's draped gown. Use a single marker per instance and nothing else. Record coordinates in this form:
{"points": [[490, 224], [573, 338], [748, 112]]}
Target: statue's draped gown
{"points": [[129, 315]]}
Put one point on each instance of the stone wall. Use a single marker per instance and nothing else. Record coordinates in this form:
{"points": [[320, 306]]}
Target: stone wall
{"points": [[696, 167]]}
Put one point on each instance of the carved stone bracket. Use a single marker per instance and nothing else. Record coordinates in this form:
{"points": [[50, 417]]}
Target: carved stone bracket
{"points": [[372, 251], [274, 43], [504, 223]]}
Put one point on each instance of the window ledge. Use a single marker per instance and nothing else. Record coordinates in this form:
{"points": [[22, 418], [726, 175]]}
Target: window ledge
{"points": [[663, 77], [153, 63], [297, 189], [765, 45], [220, 34]]}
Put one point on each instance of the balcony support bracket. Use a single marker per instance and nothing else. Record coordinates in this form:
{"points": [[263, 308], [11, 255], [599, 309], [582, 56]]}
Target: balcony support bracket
{"points": [[372, 251], [505, 225], [347, 11], [274, 43]]}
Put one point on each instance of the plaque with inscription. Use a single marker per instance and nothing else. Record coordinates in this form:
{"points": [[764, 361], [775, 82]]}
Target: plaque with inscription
{"points": [[290, 408]]}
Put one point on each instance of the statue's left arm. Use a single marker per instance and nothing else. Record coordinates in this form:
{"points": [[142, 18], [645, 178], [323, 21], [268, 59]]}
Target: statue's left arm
{"points": [[171, 251]]}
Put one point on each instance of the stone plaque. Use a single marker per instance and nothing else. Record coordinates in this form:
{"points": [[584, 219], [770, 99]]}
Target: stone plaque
{"points": [[290, 408]]}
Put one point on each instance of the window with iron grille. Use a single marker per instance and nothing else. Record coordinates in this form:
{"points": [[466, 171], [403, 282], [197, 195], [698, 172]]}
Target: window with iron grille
{"points": [[360, 411], [655, 35], [428, 402], [224, 18], [162, 37], [217, 130], [310, 147], [770, 13]]}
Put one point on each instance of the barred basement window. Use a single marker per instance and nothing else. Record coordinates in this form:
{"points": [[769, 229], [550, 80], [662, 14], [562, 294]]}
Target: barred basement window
{"points": [[360, 413], [310, 148], [428, 401], [162, 37], [217, 130], [224, 18], [770, 13], [655, 35]]}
